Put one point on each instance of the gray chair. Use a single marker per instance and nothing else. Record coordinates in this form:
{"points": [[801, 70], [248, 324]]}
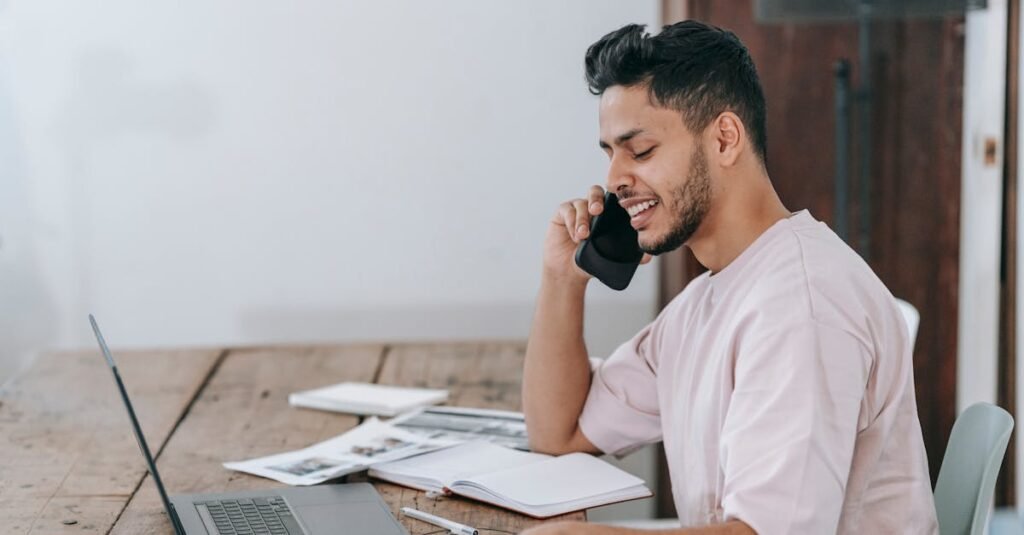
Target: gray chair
{"points": [[911, 317], [967, 479]]}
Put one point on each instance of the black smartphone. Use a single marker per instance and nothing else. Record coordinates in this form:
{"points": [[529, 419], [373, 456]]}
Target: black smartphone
{"points": [[611, 252]]}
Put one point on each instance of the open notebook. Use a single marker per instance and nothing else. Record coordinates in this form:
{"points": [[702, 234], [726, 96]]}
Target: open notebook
{"points": [[530, 483]]}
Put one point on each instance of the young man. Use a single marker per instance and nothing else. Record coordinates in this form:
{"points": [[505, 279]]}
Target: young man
{"points": [[781, 380]]}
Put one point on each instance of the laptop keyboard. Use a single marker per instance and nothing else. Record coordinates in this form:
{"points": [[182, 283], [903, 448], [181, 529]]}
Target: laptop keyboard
{"points": [[252, 516]]}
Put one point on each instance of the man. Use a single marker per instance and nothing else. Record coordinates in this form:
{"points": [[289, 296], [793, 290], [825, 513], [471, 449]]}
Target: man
{"points": [[781, 380]]}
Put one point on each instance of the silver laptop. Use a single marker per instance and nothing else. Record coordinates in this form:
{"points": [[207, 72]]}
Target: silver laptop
{"points": [[328, 509]]}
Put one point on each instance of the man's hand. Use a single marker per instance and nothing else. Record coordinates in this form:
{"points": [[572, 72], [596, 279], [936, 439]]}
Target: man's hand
{"points": [[570, 225], [556, 373]]}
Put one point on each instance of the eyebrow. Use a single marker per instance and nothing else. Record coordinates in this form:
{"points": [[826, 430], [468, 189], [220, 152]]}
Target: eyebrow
{"points": [[622, 138]]}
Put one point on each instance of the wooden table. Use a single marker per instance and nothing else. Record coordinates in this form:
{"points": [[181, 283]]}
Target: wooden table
{"points": [[69, 462]]}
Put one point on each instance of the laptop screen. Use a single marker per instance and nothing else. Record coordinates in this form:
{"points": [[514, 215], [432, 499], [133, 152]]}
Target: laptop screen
{"points": [[135, 427]]}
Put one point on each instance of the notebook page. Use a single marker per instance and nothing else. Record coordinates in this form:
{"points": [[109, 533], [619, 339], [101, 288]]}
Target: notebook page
{"points": [[569, 478], [469, 490], [459, 462]]}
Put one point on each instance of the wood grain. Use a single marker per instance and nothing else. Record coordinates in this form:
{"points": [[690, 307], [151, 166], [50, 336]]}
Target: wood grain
{"points": [[483, 375], [69, 456], [67, 450], [243, 413]]}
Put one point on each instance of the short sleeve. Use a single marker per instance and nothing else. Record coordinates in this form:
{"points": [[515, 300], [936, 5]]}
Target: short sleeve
{"points": [[621, 411], [789, 433]]}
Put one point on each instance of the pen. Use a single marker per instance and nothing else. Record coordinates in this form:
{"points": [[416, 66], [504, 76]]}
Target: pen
{"points": [[452, 527]]}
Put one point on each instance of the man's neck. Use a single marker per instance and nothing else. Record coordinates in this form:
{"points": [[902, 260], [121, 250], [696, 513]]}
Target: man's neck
{"points": [[729, 228]]}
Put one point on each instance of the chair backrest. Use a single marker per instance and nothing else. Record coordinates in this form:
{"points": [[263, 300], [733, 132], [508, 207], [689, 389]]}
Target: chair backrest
{"points": [[967, 478], [911, 317]]}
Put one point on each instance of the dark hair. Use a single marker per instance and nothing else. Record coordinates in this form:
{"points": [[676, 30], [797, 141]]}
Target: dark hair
{"points": [[692, 67]]}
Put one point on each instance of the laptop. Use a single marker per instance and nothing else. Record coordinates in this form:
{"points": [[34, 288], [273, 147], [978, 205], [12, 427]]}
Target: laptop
{"points": [[326, 509]]}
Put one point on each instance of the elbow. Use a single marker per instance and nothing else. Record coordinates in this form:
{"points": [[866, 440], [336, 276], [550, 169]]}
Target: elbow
{"points": [[546, 439], [560, 445], [549, 447]]}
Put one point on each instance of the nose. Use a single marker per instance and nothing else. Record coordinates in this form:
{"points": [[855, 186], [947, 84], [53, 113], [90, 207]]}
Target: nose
{"points": [[620, 175]]}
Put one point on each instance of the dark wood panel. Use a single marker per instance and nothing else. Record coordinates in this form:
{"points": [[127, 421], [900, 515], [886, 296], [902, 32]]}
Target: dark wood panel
{"points": [[795, 64], [917, 77], [1007, 397], [916, 185]]}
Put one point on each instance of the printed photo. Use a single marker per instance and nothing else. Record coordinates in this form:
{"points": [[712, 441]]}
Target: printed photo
{"points": [[307, 466], [381, 446], [439, 423]]}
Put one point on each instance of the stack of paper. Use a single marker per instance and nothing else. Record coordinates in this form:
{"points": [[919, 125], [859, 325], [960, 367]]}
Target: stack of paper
{"points": [[366, 398]]}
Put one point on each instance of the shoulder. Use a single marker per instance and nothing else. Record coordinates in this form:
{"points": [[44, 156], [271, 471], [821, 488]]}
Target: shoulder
{"points": [[811, 275]]}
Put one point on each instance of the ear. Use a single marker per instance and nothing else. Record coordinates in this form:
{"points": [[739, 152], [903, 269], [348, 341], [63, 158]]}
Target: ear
{"points": [[728, 136]]}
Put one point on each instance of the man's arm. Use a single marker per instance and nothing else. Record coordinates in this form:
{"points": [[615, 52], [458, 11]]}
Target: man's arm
{"points": [[556, 374], [790, 431]]}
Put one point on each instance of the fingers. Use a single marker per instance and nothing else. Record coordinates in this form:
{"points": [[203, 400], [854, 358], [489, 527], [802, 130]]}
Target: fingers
{"points": [[596, 200], [582, 219], [576, 214], [567, 215], [645, 258]]}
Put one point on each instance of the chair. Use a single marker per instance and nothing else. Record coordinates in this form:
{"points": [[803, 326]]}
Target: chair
{"points": [[911, 317], [967, 479]]}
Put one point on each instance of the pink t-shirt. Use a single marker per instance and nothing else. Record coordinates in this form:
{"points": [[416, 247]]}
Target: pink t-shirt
{"points": [[783, 390]]}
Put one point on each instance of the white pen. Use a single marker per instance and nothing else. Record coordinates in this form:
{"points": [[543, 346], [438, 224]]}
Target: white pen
{"points": [[452, 527]]}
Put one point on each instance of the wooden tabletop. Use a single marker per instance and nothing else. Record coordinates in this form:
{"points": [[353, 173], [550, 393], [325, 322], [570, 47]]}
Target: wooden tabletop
{"points": [[69, 462]]}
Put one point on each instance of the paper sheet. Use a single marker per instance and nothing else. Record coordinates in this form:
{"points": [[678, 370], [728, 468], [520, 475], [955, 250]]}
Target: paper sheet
{"points": [[371, 443]]}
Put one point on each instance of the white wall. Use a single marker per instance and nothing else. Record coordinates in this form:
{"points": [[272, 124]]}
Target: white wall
{"points": [[207, 173], [981, 204], [203, 173]]}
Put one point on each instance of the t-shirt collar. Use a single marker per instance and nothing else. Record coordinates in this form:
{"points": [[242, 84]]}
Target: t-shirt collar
{"points": [[721, 280]]}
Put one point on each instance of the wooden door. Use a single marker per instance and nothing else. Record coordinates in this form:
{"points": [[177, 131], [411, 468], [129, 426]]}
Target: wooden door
{"points": [[915, 168]]}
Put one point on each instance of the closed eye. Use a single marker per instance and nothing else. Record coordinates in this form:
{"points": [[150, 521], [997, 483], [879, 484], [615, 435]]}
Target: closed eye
{"points": [[644, 154]]}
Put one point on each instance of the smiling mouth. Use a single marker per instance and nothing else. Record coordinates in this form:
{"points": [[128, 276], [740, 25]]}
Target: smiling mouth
{"points": [[638, 209]]}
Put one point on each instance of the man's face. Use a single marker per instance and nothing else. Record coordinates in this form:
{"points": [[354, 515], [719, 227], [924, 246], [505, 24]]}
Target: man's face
{"points": [[658, 169]]}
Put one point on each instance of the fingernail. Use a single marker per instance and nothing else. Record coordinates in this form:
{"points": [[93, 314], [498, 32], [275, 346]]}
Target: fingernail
{"points": [[581, 230], [595, 206]]}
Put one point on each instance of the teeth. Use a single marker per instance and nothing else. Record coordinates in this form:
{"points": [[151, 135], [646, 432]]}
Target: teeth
{"points": [[637, 208]]}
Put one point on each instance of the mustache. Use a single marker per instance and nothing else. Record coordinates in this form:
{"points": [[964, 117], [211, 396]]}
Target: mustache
{"points": [[627, 194]]}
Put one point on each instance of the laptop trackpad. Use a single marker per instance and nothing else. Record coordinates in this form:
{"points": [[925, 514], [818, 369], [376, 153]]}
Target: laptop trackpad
{"points": [[342, 518]]}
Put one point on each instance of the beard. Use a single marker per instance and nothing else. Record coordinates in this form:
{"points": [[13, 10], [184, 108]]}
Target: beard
{"points": [[690, 203]]}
